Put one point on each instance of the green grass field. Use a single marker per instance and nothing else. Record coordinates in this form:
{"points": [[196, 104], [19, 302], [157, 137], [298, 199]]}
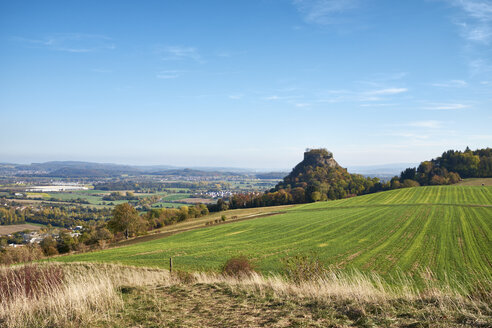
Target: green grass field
{"points": [[174, 197], [447, 229], [95, 197], [69, 196], [167, 204]]}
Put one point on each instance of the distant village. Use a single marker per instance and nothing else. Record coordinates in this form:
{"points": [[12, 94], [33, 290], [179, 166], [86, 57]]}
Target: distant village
{"points": [[36, 237]]}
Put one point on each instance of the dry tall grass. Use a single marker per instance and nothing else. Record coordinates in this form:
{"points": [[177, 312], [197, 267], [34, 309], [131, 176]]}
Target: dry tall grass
{"points": [[90, 294], [356, 286]]}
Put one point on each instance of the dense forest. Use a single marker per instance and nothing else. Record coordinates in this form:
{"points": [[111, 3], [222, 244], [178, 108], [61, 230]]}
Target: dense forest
{"points": [[450, 167], [10, 215]]}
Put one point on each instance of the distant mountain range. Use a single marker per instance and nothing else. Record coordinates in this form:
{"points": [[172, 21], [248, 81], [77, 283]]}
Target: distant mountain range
{"points": [[77, 169]]}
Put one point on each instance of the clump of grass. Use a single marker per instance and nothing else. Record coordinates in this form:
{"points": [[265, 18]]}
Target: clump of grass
{"points": [[184, 277], [301, 268], [238, 267], [29, 281]]}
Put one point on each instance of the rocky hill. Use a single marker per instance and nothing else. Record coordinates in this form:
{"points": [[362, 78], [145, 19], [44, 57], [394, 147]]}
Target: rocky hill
{"points": [[313, 160], [321, 178], [317, 177]]}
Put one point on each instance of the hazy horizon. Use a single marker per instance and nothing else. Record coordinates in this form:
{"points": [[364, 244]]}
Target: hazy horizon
{"points": [[247, 84], [263, 169]]}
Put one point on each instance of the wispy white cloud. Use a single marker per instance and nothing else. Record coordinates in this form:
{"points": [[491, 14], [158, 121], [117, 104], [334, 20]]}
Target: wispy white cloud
{"points": [[446, 106], [337, 91], [364, 98], [451, 84], [323, 12], [476, 24], [426, 124], [379, 105], [71, 42], [481, 34], [236, 96], [181, 53], [381, 79], [479, 9], [387, 91], [384, 95], [479, 66], [165, 75], [277, 97], [474, 20]]}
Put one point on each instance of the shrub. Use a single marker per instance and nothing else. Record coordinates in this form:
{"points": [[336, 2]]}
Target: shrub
{"points": [[184, 277], [303, 268], [223, 218], [27, 253], [238, 266], [103, 244], [48, 245]]}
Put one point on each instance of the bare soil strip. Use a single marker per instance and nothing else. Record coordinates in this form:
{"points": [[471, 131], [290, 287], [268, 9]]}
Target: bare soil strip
{"points": [[8, 229]]}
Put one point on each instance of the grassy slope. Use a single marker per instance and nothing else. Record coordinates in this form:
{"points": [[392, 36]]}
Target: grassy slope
{"points": [[447, 229]]}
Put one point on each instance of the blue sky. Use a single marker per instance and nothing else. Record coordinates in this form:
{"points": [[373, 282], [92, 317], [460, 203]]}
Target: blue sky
{"points": [[243, 83]]}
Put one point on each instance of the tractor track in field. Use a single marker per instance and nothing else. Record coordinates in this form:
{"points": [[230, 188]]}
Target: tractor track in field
{"points": [[385, 205]]}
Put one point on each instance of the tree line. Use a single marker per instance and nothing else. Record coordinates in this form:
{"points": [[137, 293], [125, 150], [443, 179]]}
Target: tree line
{"points": [[55, 214], [149, 186], [450, 168], [116, 195]]}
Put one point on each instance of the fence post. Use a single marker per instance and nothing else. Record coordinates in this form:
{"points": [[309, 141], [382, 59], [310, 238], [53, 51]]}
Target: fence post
{"points": [[170, 265]]}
